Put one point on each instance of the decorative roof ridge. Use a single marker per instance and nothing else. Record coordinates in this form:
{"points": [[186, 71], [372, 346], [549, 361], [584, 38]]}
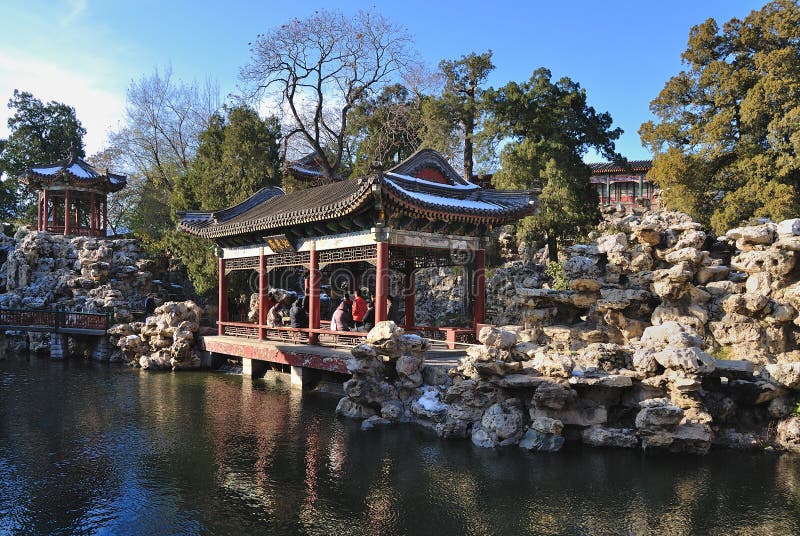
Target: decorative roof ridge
{"points": [[424, 156], [611, 167]]}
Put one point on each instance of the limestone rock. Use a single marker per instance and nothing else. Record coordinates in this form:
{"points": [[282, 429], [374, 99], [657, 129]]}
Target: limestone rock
{"points": [[535, 440], [601, 436], [788, 434], [691, 360], [784, 374]]}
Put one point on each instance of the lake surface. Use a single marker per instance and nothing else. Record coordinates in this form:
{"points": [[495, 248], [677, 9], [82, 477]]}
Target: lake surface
{"points": [[87, 448]]}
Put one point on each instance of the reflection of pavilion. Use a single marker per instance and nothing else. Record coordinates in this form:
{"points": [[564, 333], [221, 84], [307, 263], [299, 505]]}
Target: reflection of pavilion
{"points": [[73, 196], [417, 215]]}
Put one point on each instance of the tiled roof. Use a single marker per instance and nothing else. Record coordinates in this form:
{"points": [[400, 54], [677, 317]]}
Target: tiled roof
{"points": [[271, 209], [319, 203], [610, 167], [76, 171]]}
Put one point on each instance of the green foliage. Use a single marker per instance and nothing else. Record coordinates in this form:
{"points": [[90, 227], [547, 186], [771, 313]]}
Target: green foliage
{"points": [[728, 125], [555, 271], [724, 352], [796, 410], [40, 134], [461, 105], [238, 154], [548, 127], [385, 128]]}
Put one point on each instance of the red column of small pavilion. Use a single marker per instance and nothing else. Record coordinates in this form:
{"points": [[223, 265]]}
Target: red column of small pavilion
{"points": [[67, 219]]}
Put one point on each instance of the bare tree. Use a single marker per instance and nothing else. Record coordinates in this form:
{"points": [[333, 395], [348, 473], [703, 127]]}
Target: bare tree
{"points": [[121, 204], [318, 68], [163, 120]]}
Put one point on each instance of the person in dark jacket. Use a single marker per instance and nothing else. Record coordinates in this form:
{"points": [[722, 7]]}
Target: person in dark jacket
{"points": [[298, 317], [149, 305], [391, 313], [369, 317], [342, 319]]}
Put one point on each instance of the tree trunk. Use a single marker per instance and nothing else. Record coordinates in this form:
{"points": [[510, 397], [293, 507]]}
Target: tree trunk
{"points": [[469, 129], [552, 248]]}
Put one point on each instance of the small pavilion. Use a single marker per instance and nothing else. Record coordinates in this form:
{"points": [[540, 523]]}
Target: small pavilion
{"points": [[377, 230], [72, 196]]}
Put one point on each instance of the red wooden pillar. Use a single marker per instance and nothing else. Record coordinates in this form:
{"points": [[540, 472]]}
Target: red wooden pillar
{"points": [[314, 279], [105, 218], [223, 297], [262, 293], [382, 282], [479, 309], [46, 212], [93, 215], [411, 291], [67, 219], [39, 213]]}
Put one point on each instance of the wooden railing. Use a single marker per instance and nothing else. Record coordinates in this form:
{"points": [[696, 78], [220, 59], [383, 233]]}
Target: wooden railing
{"points": [[57, 321], [448, 337]]}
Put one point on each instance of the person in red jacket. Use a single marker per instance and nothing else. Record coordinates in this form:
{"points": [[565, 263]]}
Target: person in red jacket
{"points": [[360, 306]]}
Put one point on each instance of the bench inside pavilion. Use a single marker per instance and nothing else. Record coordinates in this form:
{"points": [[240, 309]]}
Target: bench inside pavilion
{"points": [[379, 230]]}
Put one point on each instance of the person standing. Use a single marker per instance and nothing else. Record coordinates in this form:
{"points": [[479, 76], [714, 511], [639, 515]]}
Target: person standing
{"points": [[360, 307], [149, 305], [369, 318]]}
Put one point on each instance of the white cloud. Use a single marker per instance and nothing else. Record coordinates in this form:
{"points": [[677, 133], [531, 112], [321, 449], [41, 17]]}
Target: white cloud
{"points": [[76, 8], [99, 107]]}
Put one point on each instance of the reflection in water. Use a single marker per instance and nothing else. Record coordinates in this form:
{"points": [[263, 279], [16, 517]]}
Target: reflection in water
{"points": [[87, 447]]}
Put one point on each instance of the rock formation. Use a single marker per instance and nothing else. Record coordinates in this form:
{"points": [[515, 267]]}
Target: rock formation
{"points": [[164, 341], [84, 274], [661, 393]]}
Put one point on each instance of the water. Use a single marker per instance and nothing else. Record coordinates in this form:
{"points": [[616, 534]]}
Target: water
{"points": [[88, 448]]}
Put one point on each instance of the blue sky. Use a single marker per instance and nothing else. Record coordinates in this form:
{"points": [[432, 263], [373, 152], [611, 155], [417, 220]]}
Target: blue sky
{"points": [[85, 53]]}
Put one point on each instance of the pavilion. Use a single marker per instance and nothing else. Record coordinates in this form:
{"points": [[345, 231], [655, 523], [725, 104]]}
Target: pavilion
{"points": [[382, 228], [72, 196]]}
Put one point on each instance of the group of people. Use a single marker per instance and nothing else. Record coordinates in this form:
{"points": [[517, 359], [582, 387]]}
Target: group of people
{"points": [[354, 313], [287, 310], [358, 314]]}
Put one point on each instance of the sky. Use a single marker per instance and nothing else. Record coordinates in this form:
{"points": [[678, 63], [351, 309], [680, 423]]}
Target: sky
{"points": [[85, 53]]}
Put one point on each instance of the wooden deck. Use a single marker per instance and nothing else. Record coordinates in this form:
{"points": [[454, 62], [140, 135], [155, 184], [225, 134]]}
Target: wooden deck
{"points": [[305, 355]]}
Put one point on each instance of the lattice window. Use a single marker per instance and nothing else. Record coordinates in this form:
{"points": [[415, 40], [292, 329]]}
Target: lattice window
{"points": [[242, 263], [288, 259], [353, 254], [428, 258]]}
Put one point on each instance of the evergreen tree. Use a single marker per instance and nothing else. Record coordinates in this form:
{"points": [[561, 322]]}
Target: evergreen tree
{"points": [[385, 128], [729, 125], [40, 134], [238, 154], [461, 103], [548, 127]]}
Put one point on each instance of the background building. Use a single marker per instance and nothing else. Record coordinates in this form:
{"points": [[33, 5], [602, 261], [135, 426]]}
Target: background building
{"points": [[626, 187]]}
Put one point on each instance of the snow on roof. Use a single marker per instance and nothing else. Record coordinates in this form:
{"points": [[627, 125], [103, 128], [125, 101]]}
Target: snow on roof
{"points": [[52, 170], [79, 171], [469, 186], [446, 201]]}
